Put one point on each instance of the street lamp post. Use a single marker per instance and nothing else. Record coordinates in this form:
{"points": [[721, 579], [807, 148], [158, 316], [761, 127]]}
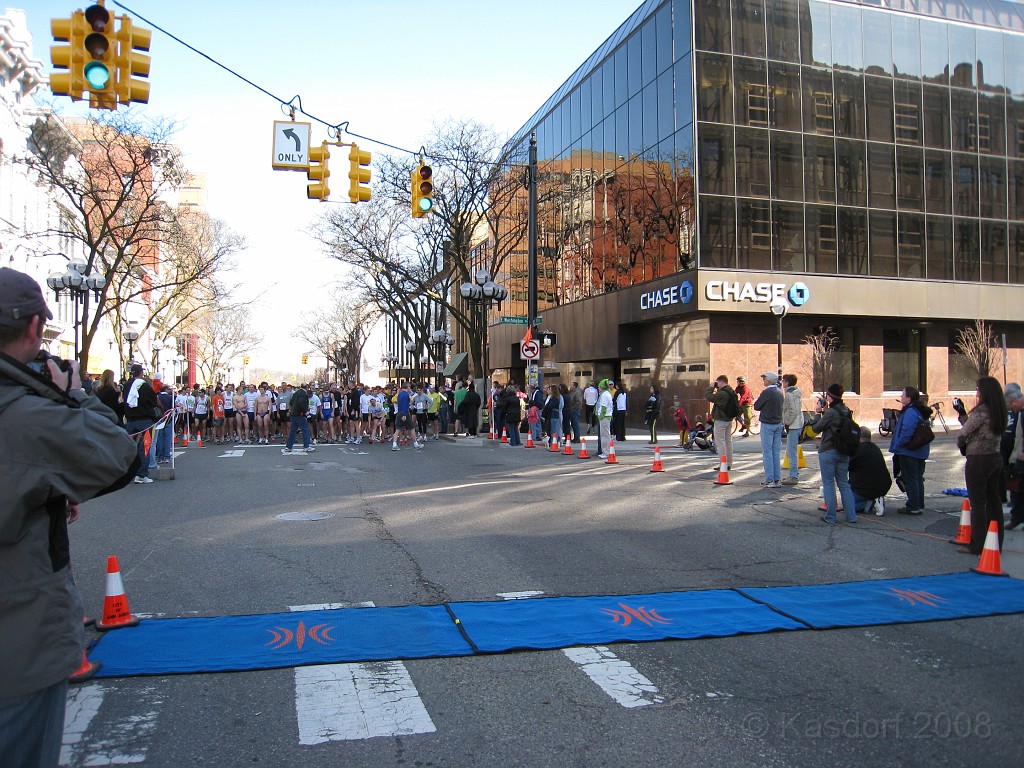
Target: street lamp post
{"points": [[79, 286], [441, 341], [410, 348], [131, 336], [779, 309], [484, 292], [391, 360]]}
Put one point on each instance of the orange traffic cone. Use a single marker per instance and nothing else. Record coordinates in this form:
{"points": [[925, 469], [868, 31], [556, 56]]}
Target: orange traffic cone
{"points": [[963, 532], [86, 670], [554, 444], [116, 613], [200, 437], [184, 439], [504, 434], [611, 453], [723, 472], [568, 446], [529, 439], [657, 460], [583, 450], [990, 564], [490, 431]]}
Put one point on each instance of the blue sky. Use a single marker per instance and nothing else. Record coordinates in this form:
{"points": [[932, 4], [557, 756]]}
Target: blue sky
{"points": [[391, 68]]}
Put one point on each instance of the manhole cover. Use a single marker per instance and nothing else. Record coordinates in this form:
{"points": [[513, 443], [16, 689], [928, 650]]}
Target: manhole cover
{"points": [[304, 516]]}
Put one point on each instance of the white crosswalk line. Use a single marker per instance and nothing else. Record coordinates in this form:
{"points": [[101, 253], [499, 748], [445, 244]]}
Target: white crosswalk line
{"points": [[231, 454], [347, 702], [616, 677], [125, 741]]}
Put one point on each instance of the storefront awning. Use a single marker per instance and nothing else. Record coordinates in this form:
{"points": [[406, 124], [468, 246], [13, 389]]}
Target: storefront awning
{"points": [[459, 366]]}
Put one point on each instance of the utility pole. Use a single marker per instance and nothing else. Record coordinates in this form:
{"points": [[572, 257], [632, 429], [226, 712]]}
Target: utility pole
{"points": [[531, 234]]}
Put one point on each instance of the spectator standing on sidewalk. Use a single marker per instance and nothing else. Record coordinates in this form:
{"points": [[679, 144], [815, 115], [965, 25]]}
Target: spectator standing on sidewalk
{"points": [[619, 420], [724, 406], [793, 422], [769, 406], [603, 413], [746, 400], [835, 465], [652, 410], [590, 398], [908, 463], [979, 439]]}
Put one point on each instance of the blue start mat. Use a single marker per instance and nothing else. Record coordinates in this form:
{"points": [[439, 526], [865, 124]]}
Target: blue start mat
{"points": [[270, 641], [895, 601], [559, 622]]}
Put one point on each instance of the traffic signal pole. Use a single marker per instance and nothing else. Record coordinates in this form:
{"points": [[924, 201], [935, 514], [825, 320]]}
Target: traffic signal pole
{"points": [[531, 233]]}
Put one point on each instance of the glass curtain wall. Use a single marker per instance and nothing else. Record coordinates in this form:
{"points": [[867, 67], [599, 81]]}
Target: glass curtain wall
{"points": [[836, 120]]}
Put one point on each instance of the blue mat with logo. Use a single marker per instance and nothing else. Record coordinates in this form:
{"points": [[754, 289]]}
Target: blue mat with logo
{"points": [[235, 643], [894, 601]]}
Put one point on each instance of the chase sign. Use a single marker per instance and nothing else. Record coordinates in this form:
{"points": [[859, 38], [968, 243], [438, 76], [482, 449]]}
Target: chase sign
{"points": [[664, 297], [796, 294]]}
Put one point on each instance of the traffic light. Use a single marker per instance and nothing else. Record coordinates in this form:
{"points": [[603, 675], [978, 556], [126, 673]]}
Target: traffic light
{"points": [[245, 360], [422, 191], [132, 65], [305, 359], [359, 175], [318, 172], [88, 56]]}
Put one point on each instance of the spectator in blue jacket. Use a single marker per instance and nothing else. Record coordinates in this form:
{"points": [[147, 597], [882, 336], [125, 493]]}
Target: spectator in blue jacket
{"points": [[908, 463]]}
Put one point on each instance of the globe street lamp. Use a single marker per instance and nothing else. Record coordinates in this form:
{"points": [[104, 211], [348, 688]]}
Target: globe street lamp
{"points": [[484, 292], [779, 309], [391, 360], [441, 341], [131, 336], [79, 286]]}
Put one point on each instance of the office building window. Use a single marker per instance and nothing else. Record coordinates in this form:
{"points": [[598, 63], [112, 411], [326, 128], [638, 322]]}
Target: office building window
{"points": [[961, 371], [902, 359]]}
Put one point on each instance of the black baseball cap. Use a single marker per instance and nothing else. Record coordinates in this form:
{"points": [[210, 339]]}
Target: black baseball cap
{"points": [[20, 299]]}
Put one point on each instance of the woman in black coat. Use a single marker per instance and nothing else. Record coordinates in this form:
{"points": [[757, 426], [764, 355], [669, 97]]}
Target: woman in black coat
{"points": [[469, 410]]}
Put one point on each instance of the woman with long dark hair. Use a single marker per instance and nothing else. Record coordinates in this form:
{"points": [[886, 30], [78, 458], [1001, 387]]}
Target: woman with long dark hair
{"points": [[979, 440]]}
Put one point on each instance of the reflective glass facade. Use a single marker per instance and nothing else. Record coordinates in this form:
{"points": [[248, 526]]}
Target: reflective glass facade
{"points": [[881, 138]]}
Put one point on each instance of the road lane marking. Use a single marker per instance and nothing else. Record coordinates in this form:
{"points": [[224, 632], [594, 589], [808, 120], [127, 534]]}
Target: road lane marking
{"points": [[234, 454], [348, 702], [616, 677], [127, 739]]}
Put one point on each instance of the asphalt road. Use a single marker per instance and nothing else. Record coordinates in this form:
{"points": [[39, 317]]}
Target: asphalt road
{"points": [[470, 520]]}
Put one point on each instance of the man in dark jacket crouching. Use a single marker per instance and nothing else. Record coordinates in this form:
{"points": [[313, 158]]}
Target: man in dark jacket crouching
{"points": [[869, 475]]}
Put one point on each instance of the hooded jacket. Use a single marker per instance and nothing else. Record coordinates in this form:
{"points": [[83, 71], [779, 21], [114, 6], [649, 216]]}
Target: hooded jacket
{"points": [[54, 447], [827, 423], [906, 424]]}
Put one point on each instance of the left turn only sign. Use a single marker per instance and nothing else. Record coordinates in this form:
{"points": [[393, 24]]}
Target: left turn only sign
{"points": [[291, 146]]}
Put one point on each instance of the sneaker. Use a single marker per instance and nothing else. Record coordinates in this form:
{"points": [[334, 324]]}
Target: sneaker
{"points": [[768, 484], [286, 451], [905, 511], [602, 455], [142, 480], [358, 441], [309, 449], [790, 481], [417, 445], [394, 446]]}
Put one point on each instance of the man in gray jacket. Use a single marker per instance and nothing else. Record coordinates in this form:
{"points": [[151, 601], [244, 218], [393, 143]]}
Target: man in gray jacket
{"points": [[769, 407], [58, 447]]}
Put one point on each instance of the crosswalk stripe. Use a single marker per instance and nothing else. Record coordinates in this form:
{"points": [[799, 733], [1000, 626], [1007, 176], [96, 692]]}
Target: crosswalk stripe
{"points": [[347, 702], [127, 740], [616, 677]]}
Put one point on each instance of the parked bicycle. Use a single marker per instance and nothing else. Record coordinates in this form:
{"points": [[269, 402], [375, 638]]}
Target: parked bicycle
{"points": [[888, 422], [739, 424]]}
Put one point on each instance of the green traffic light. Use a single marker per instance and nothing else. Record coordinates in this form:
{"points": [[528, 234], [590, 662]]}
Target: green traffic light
{"points": [[426, 204], [96, 74]]}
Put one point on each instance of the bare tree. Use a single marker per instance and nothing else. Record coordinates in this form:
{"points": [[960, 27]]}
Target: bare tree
{"points": [[827, 365], [977, 343], [340, 332], [224, 332], [401, 263], [113, 173]]}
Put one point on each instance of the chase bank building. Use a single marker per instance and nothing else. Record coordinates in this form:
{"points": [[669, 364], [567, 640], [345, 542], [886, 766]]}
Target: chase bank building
{"points": [[859, 165]]}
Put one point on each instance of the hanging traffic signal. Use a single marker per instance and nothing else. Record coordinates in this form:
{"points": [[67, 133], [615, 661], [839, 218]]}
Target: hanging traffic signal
{"points": [[245, 360], [101, 49], [422, 191], [70, 57], [359, 175], [131, 64], [318, 173], [305, 359]]}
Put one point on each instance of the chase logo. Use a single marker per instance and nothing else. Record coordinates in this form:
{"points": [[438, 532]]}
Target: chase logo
{"points": [[686, 291], [674, 294], [799, 293]]}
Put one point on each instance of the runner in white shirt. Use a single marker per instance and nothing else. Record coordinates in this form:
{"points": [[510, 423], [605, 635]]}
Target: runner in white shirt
{"points": [[364, 415], [313, 414]]}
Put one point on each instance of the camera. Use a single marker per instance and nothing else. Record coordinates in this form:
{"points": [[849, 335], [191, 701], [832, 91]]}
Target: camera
{"points": [[957, 403], [38, 364], [822, 402]]}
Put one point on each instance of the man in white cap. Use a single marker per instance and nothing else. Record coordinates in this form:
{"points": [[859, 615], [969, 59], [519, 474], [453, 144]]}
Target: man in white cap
{"points": [[769, 407], [58, 447]]}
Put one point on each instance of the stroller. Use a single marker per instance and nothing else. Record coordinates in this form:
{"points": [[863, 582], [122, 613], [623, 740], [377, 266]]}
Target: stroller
{"points": [[702, 438]]}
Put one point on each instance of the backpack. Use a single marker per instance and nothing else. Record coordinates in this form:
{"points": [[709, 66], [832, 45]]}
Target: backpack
{"points": [[299, 402], [847, 435], [732, 405]]}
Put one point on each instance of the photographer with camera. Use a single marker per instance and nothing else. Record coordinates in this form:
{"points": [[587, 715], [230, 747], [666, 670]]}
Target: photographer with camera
{"points": [[58, 447]]}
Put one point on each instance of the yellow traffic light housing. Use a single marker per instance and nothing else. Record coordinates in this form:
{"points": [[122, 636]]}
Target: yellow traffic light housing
{"points": [[305, 359], [101, 52], [359, 175], [131, 64], [422, 190], [318, 172], [70, 57]]}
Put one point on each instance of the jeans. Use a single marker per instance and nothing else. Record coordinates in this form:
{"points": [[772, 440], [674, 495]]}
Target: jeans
{"points": [[792, 442], [165, 442], [32, 727], [512, 429], [535, 431], [556, 428], [912, 472], [299, 423], [771, 451], [835, 470], [135, 427], [574, 425]]}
